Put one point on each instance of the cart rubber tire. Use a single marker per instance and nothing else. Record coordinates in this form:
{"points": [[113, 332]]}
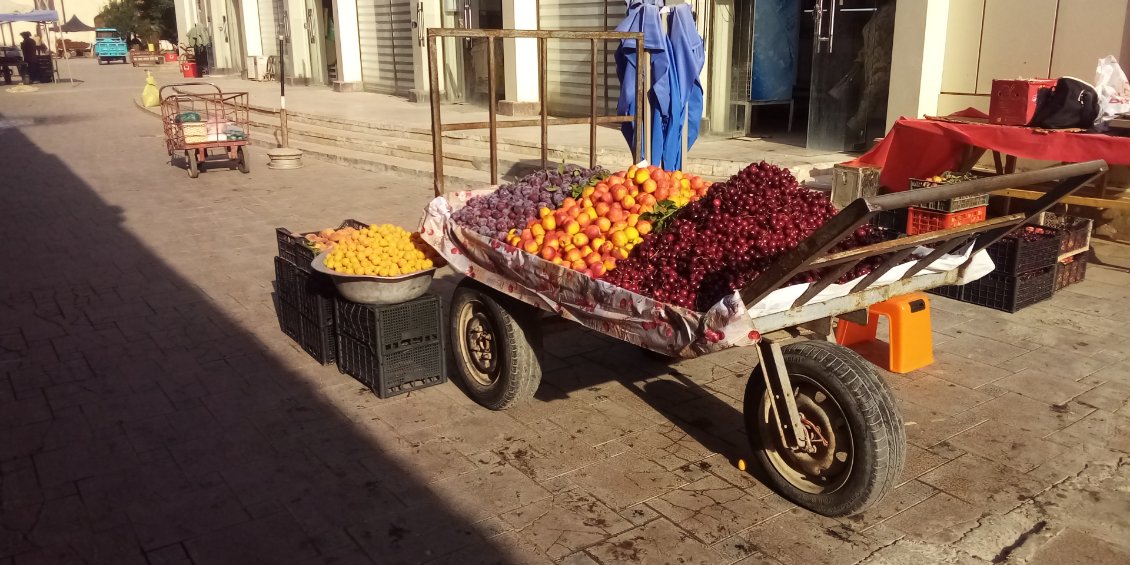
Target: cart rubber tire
{"points": [[868, 411], [241, 161], [193, 164], [514, 371]]}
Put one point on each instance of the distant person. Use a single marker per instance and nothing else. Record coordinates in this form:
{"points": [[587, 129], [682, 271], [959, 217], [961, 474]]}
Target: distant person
{"points": [[28, 46]]}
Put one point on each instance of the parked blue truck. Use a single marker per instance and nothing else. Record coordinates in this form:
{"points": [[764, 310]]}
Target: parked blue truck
{"points": [[109, 46]]}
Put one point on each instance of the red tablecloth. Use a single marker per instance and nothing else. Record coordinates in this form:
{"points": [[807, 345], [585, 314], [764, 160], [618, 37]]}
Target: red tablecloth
{"points": [[920, 148]]}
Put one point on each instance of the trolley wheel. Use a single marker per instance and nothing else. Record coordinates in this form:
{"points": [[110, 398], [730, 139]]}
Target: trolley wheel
{"points": [[193, 164], [860, 439], [241, 161], [493, 339]]}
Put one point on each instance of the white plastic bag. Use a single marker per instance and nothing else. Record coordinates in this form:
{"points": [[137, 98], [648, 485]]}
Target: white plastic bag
{"points": [[1113, 89]]}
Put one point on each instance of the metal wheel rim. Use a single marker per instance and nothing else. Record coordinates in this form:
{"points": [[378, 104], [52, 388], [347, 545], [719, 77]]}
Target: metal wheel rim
{"points": [[826, 470], [478, 344]]}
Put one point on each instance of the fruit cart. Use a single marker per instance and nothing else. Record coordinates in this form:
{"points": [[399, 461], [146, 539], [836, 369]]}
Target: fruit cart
{"points": [[822, 425], [206, 124]]}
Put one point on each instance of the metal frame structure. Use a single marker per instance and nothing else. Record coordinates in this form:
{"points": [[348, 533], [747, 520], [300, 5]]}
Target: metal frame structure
{"points": [[542, 36]]}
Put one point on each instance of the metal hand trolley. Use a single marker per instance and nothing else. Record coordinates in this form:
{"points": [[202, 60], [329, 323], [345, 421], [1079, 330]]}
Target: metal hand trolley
{"points": [[206, 125]]}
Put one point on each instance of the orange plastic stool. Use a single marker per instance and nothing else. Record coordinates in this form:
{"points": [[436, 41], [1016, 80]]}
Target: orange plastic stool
{"points": [[911, 343]]}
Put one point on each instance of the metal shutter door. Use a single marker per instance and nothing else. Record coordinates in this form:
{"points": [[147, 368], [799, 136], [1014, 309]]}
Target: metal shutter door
{"points": [[568, 61], [385, 28]]}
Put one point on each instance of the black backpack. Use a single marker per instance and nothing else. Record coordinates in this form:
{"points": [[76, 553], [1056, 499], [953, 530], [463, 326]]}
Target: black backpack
{"points": [[1071, 104]]}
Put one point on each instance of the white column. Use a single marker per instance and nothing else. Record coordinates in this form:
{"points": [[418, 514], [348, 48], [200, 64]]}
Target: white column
{"points": [[252, 33], [919, 54], [520, 59], [348, 46]]}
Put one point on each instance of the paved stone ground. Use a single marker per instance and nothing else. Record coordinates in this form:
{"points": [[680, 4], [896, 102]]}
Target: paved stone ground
{"points": [[152, 412]]}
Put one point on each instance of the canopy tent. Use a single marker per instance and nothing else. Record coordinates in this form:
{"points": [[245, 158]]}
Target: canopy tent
{"points": [[73, 25], [34, 16]]}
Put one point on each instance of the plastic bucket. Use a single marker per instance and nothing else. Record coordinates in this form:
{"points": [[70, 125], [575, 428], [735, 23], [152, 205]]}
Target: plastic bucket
{"points": [[188, 69], [170, 57]]}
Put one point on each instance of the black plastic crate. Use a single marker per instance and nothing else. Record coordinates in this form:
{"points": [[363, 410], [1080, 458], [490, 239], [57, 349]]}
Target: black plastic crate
{"points": [[956, 292], [389, 373], [1072, 271], [312, 293], [1076, 231], [952, 204], [1013, 254], [316, 339], [1011, 292], [392, 326], [293, 248]]}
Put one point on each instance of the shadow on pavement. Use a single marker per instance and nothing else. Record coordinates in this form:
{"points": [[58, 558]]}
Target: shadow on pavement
{"points": [[140, 424]]}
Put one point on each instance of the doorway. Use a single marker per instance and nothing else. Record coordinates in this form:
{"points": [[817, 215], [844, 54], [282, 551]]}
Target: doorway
{"points": [[323, 47], [812, 73], [479, 14]]}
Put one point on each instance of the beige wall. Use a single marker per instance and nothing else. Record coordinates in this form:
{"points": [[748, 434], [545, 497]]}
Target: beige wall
{"points": [[988, 39]]}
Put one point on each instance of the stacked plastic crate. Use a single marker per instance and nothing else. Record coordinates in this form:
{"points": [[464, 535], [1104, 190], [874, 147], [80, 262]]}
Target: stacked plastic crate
{"points": [[1072, 264], [305, 299], [392, 348]]}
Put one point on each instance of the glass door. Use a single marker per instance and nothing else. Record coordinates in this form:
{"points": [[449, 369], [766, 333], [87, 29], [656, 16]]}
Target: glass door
{"points": [[851, 71]]}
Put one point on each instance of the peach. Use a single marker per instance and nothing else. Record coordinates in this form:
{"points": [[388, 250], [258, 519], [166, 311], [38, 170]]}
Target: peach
{"points": [[572, 227], [549, 223], [580, 239], [620, 253], [633, 219], [618, 238], [537, 229], [602, 208], [619, 193], [592, 230], [588, 191], [543, 212], [604, 224], [548, 253], [592, 258], [530, 246], [578, 265], [609, 264], [607, 247], [649, 186], [598, 242], [583, 220], [597, 269], [644, 227]]}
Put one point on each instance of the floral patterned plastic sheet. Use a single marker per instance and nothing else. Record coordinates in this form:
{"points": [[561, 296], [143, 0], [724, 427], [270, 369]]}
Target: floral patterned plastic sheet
{"points": [[611, 310]]}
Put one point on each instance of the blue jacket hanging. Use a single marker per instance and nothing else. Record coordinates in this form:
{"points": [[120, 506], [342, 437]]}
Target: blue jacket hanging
{"points": [[643, 15], [688, 56]]}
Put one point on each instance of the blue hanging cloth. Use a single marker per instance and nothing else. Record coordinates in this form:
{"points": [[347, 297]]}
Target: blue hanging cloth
{"points": [[688, 56], [643, 15]]}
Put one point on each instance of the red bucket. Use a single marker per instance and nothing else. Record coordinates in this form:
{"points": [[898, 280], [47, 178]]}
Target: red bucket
{"points": [[188, 69], [170, 57]]}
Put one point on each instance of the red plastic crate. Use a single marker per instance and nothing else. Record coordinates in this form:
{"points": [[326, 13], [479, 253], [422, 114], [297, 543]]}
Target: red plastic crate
{"points": [[921, 220], [1013, 102]]}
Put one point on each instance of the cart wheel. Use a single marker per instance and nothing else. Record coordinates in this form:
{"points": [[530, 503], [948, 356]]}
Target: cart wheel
{"points": [[859, 437], [193, 165], [241, 161], [493, 338]]}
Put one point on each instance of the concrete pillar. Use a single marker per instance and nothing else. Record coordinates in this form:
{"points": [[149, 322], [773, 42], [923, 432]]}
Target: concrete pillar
{"points": [[348, 46], [720, 58], [425, 14], [252, 33], [919, 54], [520, 59]]}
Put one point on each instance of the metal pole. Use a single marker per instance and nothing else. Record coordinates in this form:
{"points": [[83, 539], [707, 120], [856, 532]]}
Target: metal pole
{"points": [[592, 106], [543, 87], [282, 93], [637, 151], [437, 127], [492, 111]]}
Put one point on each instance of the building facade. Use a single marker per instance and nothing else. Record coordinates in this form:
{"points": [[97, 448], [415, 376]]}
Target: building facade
{"points": [[840, 79]]}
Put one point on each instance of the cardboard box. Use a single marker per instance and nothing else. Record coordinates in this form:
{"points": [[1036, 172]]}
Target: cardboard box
{"points": [[1013, 102]]}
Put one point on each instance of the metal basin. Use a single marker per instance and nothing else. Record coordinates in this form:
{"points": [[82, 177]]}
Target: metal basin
{"points": [[368, 289]]}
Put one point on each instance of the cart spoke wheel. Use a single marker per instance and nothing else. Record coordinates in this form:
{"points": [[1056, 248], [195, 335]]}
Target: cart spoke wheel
{"points": [[493, 339], [481, 346], [828, 465], [856, 439], [193, 163], [241, 161]]}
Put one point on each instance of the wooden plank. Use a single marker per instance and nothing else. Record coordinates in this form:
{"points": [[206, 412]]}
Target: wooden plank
{"points": [[1115, 203]]}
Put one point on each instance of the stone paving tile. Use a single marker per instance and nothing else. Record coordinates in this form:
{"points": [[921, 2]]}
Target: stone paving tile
{"points": [[1112, 397], [980, 348], [936, 518], [1039, 384], [194, 513], [966, 372], [668, 445], [565, 523], [273, 539], [948, 398], [548, 452], [1064, 364], [413, 536], [625, 480], [1098, 429], [983, 482], [656, 542], [896, 501], [800, 537], [1115, 373], [487, 492], [1075, 547], [1031, 415], [600, 423], [926, 427], [711, 509], [1020, 450]]}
